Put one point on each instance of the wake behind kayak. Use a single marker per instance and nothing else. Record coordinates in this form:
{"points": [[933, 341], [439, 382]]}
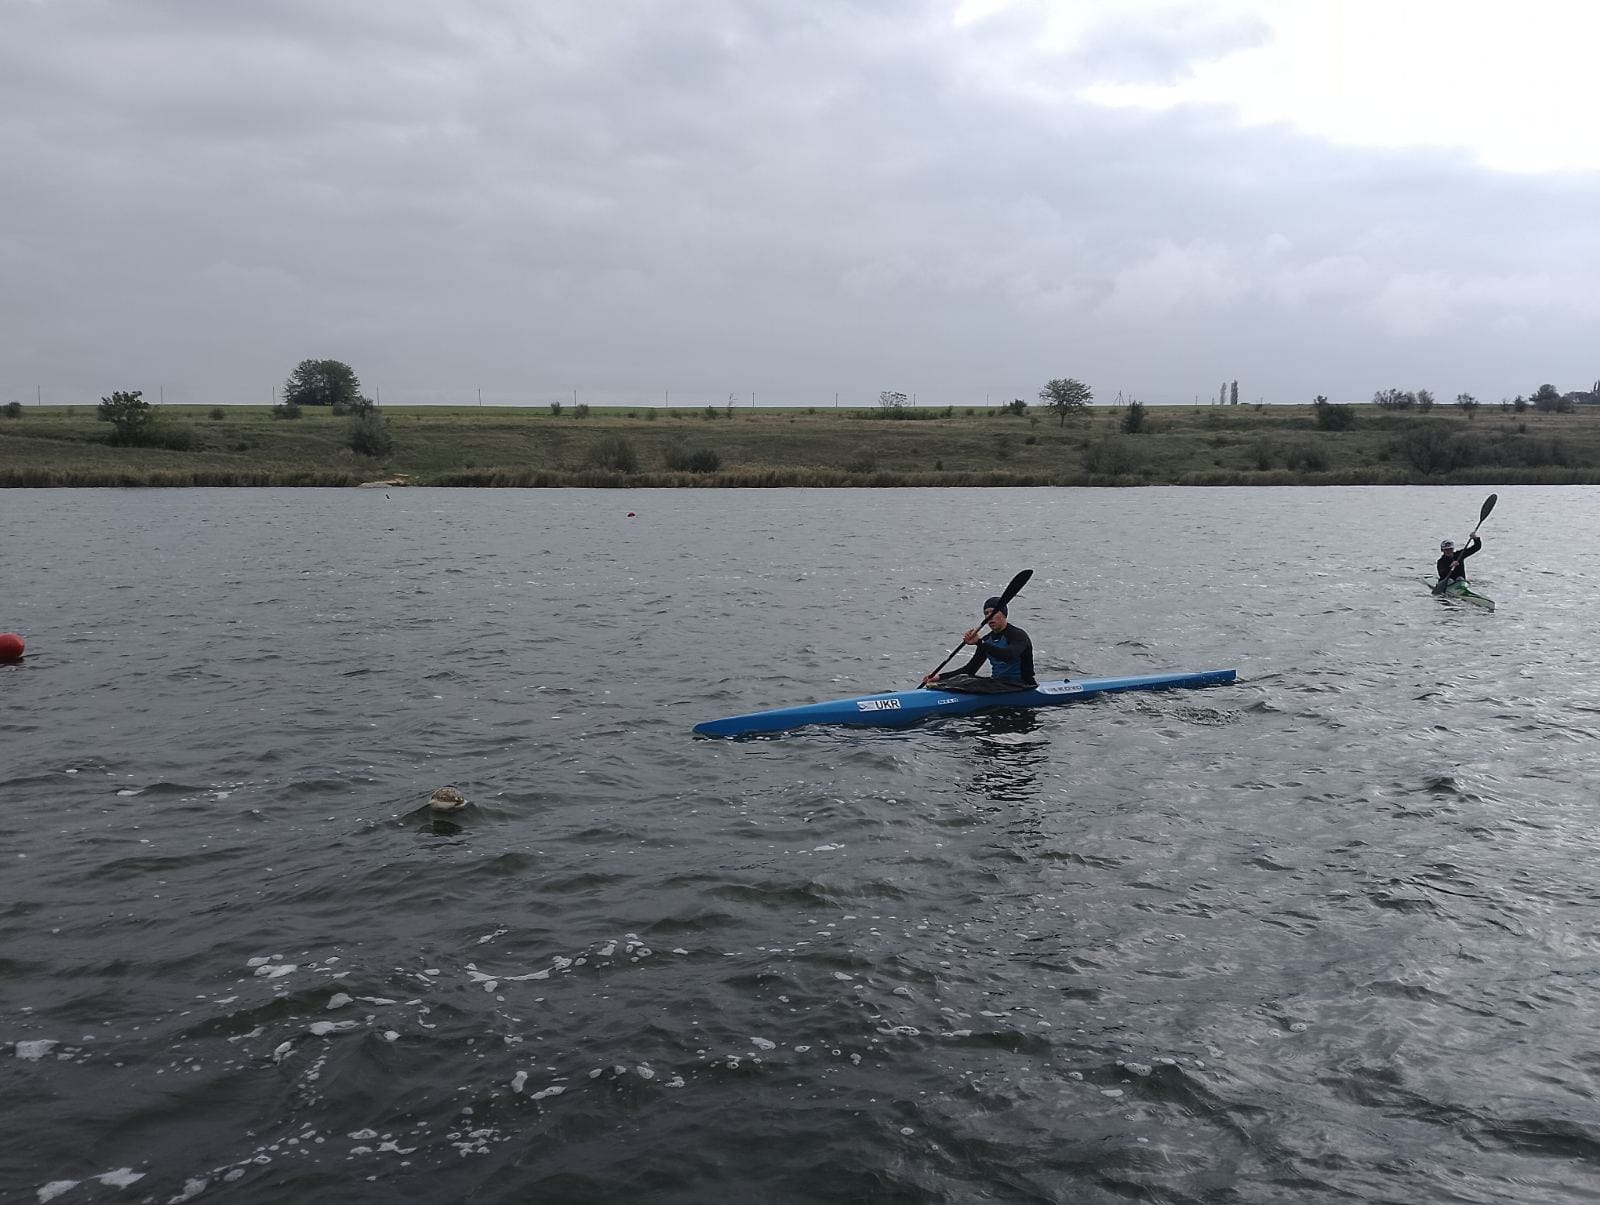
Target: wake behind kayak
{"points": [[902, 708]]}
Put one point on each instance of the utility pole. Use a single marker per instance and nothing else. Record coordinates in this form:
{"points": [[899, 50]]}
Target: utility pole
{"points": [[480, 397]]}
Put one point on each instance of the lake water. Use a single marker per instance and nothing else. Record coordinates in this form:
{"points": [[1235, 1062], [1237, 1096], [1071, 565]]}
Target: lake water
{"points": [[1329, 934]]}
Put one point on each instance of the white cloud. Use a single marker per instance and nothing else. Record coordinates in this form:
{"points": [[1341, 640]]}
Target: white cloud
{"points": [[1510, 85]]}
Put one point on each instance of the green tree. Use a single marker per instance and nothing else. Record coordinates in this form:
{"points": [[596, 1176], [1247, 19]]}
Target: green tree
{"points": [[1468, 403], [1428, 449], [891, 400], [1066, 396], [130, 416], [1548, 398], [323, 383], [1233, 393], [369, 435], [1331, 417], [1133, 418], [1395, 399]]}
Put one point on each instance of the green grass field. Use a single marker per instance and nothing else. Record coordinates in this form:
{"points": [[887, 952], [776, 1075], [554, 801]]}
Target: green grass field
{"points": [[1198, 445]]}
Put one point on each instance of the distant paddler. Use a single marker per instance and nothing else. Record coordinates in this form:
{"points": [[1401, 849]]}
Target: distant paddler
{"points": [[1450, 567]]}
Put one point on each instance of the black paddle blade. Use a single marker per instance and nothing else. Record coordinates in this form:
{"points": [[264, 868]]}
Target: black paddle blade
{"points": [[1015, 587], [1488, 505]]}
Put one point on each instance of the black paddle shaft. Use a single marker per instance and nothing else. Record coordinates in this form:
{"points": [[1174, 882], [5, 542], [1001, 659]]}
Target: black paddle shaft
{"points": [[1011, 592], [1488, 505]]}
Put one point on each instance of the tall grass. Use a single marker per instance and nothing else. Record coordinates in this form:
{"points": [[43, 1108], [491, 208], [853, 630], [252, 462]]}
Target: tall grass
{"points": [[749, 448]]}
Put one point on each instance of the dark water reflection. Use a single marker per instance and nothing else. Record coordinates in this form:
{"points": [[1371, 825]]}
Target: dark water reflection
{"points": [[1330, 934]]}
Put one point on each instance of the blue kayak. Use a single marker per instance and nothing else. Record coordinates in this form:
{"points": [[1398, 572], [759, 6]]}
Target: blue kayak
{"points": [[897, 709]]}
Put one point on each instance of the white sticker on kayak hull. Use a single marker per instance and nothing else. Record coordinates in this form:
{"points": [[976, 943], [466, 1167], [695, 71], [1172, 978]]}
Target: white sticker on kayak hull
{"points": [[877, 704], [1062, 688]]}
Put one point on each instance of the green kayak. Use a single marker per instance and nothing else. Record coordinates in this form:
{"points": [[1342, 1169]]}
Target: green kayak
{"points": [[1462, 592]]}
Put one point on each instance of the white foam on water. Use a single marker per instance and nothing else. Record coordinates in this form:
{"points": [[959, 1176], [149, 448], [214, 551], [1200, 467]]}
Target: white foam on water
{"points": [[321, 1029], [552, 1090], [519, 1081], [120, 1177], [191, 1190], [36, 1050], [55, 1188], [338, 1000]]}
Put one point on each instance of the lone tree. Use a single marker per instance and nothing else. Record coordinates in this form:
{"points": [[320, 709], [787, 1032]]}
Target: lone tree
{"points": [[1547, 399], [369, 435], [1069, 396], [129, 414], [323, 383]]}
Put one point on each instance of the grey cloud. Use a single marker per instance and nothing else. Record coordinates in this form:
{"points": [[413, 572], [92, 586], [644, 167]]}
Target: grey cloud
{"points": [[719, 196], [1162, 47]]}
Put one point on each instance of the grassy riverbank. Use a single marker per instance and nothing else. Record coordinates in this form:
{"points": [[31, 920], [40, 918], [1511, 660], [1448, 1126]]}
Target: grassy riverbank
{"points": [[1200, 445]]}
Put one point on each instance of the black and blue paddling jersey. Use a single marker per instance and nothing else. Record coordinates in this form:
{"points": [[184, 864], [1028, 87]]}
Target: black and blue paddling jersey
{"points": [[1450, 567], [1009, 654]]}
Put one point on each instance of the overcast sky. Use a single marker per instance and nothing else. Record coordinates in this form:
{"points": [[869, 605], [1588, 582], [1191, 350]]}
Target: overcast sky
{"points": [[798, 198]]}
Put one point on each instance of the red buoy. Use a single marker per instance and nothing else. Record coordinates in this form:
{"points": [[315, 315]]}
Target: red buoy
{"points": [[10, 646]]}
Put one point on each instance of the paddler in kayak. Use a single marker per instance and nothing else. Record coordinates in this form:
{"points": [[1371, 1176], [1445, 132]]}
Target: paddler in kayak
{"points": [[1450, 568], [1006, 648]]}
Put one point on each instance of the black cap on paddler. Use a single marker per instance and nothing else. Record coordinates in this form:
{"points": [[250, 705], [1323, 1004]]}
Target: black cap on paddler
{"points": [[994, 603]]}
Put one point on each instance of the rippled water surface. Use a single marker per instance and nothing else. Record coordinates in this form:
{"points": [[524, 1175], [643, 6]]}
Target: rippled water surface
{"points": [[1328, 934]]}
